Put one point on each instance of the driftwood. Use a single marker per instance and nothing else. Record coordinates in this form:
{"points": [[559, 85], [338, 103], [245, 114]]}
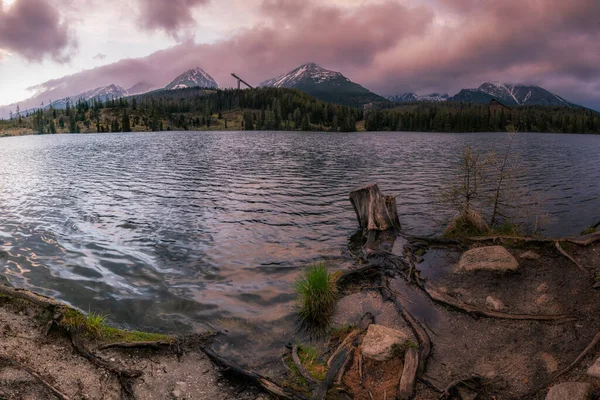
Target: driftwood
{"points": [[263, 382], [341, 356], [477, 312], [375, 212], [590, 347], [14, 363], [409, 375], [567, 255]]}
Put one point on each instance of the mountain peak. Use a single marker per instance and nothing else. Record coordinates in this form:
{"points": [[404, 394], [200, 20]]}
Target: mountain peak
{"points": [[195, 77], [309, 73]]}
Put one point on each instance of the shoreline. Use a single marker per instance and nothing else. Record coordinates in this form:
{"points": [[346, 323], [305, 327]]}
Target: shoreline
{"points": [[37, 325]]}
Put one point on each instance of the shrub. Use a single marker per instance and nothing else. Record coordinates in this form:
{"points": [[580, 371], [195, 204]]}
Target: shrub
{"points": [[316, 296]]}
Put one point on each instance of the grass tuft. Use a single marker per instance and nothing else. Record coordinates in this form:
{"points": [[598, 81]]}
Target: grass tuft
{"points": [[316, 296], [468, 223]]}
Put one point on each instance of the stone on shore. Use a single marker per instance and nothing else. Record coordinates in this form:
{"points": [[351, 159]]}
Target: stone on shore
{"points": [[489, 258], [380, 340], [594, 370], [494, 304], [570, 391], [530, 255]]}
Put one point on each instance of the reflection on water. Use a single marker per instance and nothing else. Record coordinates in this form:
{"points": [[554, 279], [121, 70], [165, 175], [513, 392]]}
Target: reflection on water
{"points": [[179, 230]]}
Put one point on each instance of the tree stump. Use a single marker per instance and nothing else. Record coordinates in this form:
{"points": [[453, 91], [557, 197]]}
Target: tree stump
{"points": [[375, 212]]}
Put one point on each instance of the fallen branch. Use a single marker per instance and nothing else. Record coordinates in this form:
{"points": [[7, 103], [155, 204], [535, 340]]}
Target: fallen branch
{"points": [[301, 368], [564, 253], [258, 380], [409, 375], [477, 312], [590, 347], [14, 363]]}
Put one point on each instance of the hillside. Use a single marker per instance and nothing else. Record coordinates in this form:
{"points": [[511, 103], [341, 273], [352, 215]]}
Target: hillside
{"points": [[288, 109]]}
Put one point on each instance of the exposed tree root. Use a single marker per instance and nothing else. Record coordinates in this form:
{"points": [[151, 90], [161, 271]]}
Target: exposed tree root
{"points": [[14, 363], [124, 375], [581, 240], [301, 368], [256, 379], [476, 312], [590, 347], [138, 345], [451, 391], [564, 253], [342, 355], [37, 299], [409, 375], [417, 328]]}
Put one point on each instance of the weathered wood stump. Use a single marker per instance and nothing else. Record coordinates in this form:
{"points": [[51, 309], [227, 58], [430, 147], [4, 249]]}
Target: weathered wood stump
{"points": [[375, 211]]}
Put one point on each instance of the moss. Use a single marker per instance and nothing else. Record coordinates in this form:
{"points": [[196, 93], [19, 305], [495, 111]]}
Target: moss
{"points": [[590, 230], [398, 350], [507, 228], [93, 326], [309, 357]]}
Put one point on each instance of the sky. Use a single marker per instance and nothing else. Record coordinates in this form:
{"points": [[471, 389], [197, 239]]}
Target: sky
{"points": [[51, 49]]}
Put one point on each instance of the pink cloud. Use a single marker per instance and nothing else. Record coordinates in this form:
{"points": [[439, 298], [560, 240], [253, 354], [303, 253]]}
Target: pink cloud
{"points": [[34, 30]]}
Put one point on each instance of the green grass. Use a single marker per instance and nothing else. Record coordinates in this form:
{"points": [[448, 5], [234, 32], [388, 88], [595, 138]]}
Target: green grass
{"points": [[316, 296], [309, 357], [93, 325]]}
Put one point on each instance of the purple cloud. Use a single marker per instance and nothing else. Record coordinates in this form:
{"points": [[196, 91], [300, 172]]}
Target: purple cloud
{"points": [[168, 15], [34, 30]]}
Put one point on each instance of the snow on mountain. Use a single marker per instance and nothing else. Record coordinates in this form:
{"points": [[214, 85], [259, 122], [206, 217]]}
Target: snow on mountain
{"points": [[311, 72], [195, 77], [515, 95], [102, 94], [413, 98]]}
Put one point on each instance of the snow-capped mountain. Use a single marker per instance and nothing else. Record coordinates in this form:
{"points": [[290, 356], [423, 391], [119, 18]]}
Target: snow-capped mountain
{"points": [[102, 93], [324, 84], [515, 95], [413, 98], [195, 77], [140, 88]]}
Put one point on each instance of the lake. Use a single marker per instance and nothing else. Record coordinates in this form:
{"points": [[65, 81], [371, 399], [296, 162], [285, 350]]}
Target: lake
{"points": [[179, 230]]}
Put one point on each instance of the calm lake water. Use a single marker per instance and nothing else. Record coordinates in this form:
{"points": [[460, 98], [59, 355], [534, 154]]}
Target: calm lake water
{"points": [[179, 230]]}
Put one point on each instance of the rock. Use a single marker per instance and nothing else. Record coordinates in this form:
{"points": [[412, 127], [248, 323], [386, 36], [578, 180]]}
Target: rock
{"points": [[550, 361], [570, 391], [543, 299], [490, 258], [530, 255], [542, 288], [177, 392], [493, 303], [379, 340], [594, 370]]}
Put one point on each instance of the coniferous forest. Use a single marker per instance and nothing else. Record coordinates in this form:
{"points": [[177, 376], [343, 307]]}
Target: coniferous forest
{"points": [[287, 109]]}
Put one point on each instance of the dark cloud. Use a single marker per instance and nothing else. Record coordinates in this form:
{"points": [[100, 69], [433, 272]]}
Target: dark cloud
{"points": [[168, 15], [391, 48], [34, 30]]}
